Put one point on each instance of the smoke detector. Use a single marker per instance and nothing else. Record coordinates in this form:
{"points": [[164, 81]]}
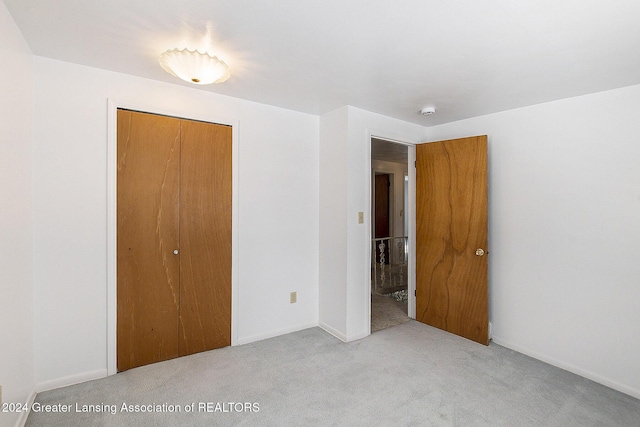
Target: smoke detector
{"points": [[427, 111]]}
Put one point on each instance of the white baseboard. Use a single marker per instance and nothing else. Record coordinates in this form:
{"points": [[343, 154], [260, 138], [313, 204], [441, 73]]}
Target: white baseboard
{"points": [[22, 419], [569, 367], [70, 380], [357, 336], [343, 337], [333, 331], [278, 332]]}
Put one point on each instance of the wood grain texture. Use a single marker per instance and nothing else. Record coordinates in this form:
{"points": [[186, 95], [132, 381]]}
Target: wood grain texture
{"points": [[148, 153], [451, 223], [205, 237], [382, 205], [382, 213]]}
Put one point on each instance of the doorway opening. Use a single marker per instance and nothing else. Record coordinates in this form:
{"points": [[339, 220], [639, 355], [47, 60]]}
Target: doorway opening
{"points": [[389, 230]]}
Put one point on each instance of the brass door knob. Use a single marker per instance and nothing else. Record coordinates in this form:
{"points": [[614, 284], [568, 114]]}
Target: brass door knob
{"points": [[479, 252]]}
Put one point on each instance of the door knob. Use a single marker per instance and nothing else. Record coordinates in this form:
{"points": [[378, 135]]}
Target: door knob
{"points": [[175, 252], [479, 252]]}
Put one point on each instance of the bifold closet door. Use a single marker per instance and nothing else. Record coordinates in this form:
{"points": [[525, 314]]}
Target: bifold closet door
{"points": [[205, 237], [174, 190], [147, 233]]}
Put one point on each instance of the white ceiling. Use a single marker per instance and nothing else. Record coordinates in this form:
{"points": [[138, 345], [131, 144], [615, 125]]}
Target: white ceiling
{"points": [[466, 57]]}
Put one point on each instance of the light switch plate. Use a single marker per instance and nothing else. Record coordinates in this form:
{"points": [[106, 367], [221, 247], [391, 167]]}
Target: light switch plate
{"points": [[360, 217]]}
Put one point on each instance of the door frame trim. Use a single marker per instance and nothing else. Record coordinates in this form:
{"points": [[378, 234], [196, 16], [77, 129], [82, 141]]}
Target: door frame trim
{"points": [[184, 113]]}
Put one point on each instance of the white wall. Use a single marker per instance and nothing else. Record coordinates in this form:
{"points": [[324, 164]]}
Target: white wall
{"points": [[564, 231], [346, 135], [16, 288], [334, 175], [278, 212]]}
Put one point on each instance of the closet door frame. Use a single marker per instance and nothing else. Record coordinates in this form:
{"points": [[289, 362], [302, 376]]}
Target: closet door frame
{"points": [[184, 113]]}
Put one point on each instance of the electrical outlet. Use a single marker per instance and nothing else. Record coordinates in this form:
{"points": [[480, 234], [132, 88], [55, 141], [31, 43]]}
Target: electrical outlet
{"points": [[293, 297], [360, 217]]}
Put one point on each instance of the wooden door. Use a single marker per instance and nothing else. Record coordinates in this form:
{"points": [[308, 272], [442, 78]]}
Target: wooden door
{"points": [[205, 237], [451, 236], [382, 228], [147, 233], [174, 238]]}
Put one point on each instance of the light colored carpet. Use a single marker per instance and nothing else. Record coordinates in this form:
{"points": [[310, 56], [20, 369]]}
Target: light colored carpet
{"points": [[386, 312], [411, 374]]}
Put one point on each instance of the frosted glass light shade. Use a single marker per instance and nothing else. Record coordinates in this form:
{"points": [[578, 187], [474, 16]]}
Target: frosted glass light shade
{"points": [[194, 67]]}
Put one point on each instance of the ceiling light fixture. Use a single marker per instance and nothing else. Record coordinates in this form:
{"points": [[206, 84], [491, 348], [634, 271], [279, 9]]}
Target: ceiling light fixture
{"points": [[194, 67], [428, 110]]}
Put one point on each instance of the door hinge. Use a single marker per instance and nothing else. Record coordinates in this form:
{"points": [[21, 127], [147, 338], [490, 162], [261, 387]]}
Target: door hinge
{"points": [[415, 293], [415, 163]]}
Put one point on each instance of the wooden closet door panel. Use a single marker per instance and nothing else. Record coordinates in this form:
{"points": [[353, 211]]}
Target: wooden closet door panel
{"points": [[147, 233], [205, 237]]}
